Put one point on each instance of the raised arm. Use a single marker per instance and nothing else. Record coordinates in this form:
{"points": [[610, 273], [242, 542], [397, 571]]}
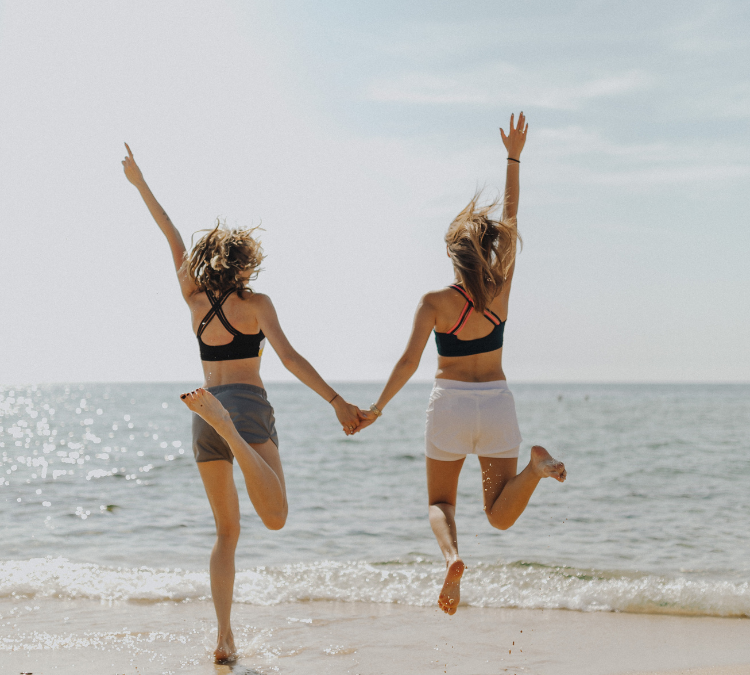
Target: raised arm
{"points": [[406, 366], [174, 238], [513, 142], [347, 414]]}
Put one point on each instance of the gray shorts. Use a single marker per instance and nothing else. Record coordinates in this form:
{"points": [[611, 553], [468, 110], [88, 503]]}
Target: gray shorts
{"points": [[251, 413]]}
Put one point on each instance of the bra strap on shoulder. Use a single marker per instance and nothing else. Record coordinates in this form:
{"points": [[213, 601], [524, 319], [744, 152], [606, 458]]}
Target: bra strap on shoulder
{"points": [[488, 313], [209, 315], [222, 317], [492, 317], [465, 312], [217, 310], [456, 287]]}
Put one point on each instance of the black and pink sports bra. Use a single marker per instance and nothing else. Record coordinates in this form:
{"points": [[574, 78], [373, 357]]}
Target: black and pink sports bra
{"points": [[448, 343], [242, 346]]}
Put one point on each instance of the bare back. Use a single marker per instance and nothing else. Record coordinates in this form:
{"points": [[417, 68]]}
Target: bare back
{"points": [[242, 314], [487, 367]]}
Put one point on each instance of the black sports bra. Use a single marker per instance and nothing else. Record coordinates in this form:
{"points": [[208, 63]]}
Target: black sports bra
{"points": [[242, 346], [448, 343]]}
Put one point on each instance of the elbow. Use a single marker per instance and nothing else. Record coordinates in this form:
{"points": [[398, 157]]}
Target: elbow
{"points": [[289, 361], [408, 363]]}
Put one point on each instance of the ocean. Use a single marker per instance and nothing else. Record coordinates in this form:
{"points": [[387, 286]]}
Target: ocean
{"points": [[100, 499]]}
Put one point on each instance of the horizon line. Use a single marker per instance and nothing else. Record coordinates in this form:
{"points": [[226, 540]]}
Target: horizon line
{"points": [[382, 382]]}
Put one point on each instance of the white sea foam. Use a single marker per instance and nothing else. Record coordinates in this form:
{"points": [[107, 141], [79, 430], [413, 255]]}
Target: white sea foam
{"points": [[524, 585]]}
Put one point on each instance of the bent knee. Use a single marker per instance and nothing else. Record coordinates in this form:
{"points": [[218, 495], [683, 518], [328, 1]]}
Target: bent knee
{"points": [[500, 523], [275, 521]]}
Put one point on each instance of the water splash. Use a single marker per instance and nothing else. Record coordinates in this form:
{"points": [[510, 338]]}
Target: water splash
{"points": [[520, 584]]}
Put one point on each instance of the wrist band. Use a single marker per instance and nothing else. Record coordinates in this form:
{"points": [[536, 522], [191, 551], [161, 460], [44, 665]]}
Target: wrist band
{"points": [[333, 399], [517, 161], [376, 410]]}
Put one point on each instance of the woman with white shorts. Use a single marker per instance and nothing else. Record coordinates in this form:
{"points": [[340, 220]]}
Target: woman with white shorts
{"points": [[471, 409]]}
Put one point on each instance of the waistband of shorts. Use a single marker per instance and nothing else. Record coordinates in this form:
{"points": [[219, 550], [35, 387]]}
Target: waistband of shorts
{"points": [[469, 386], [238, 386]]}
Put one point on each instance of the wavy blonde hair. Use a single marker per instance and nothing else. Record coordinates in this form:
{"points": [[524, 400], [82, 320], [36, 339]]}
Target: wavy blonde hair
{"points": [[482, 250], [216, 261]]}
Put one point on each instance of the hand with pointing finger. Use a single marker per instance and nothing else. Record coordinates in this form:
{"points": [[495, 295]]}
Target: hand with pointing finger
{"points": [[132, 172]]}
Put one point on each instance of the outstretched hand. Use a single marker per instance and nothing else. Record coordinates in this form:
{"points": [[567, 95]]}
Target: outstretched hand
{"points": [[132, 172], [516, 138]]}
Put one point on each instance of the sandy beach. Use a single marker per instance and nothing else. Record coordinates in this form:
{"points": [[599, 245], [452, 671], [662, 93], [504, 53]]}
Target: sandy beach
{"points": [[79, 636]]}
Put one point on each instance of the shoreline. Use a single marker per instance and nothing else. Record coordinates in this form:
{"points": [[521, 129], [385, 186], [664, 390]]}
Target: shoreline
{"points": [[46, 636]]}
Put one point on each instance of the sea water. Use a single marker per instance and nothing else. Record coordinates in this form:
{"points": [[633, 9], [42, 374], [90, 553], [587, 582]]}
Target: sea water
{"points": [[100, 498]]}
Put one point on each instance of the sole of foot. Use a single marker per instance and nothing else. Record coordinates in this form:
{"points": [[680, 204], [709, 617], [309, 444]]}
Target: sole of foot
{"points": [[450, 594], [202, 402], [546, 466]]}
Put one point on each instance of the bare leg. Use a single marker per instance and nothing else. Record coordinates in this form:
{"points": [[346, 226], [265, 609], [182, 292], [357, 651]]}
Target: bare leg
{"points": [[506, 494], [222, 495], [442, 484], [260, 464]]}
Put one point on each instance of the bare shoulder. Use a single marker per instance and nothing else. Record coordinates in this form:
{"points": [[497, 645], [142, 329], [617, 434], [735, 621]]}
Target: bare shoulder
{"points": [[258, 302], [434, 299], [197, 299], [442, 299]]}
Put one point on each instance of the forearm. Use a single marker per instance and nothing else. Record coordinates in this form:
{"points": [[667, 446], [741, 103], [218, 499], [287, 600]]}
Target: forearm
{"points": [[160, 215], [301, 368], [401, 374], [510, 205]]}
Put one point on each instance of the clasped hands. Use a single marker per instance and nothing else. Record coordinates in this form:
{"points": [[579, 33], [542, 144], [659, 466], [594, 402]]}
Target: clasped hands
{"points": [[352, 419]]}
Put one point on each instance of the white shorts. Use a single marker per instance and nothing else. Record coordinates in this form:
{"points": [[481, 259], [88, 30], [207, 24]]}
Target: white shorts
{"points": [[477, 418]]}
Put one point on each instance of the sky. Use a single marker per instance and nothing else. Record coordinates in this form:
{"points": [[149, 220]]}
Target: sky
{"points": [[353, 133]]}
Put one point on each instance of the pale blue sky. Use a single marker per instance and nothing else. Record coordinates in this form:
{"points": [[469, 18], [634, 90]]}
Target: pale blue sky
{"points": [[356, 131]]}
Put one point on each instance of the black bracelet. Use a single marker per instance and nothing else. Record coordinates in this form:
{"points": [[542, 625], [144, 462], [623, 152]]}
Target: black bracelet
{"points": [[333, 399], [517, 161]]}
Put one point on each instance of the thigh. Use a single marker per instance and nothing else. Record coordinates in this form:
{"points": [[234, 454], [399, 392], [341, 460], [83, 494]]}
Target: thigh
{"points": [[218, 479], [496, 472], [442, 480], [269, 453], [208, 446]]}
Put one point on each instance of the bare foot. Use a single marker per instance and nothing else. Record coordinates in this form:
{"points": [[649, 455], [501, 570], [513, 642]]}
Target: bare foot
{"points": [[205, 404], [225, 651], [450, 595], [544, 465]]}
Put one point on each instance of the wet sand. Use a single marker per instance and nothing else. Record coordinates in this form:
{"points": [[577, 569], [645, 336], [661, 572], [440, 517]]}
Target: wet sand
{"points": [[82, 637]]}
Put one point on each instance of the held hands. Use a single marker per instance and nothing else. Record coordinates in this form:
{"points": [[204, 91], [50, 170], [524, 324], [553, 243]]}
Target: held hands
{"points": [[368, 417], [516, 138], [132, 172], [349, 416]]}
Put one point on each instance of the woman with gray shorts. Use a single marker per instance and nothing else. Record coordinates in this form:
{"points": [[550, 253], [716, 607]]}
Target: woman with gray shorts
{"points": [[471, 410], [233, 418]]}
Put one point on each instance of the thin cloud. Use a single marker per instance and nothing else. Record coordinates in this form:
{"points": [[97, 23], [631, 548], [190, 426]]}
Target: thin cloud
{"points": [[622, 164], [503, 84]]}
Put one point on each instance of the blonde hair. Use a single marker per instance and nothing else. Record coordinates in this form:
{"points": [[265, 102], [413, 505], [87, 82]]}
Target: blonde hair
{"points": [[216, 261], [482, 250]]}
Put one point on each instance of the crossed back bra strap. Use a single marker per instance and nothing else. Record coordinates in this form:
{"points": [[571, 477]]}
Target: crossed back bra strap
{"points": [[467, 310], [216, 310]]}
